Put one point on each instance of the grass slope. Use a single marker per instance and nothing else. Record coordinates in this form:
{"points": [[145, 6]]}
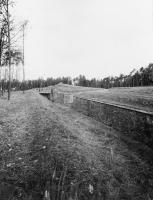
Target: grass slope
{"points": [[135, 97], [49, 149]]}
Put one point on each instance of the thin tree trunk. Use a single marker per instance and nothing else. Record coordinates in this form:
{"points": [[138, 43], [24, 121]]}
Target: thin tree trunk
{"points": [[1, 60], [0, 79], [9, 50], [23, 61]]}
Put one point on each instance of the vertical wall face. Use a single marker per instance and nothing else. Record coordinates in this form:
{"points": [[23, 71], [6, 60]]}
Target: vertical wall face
{"points": [[62, 98], [133, 123], [68, 98], [137, 125]]}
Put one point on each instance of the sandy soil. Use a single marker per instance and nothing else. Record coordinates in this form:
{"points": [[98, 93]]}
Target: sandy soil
{"points": [[43, 142]]}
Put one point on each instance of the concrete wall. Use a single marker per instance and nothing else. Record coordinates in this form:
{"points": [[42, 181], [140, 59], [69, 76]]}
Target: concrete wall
{"points": [[62, 98], [135, 123]]}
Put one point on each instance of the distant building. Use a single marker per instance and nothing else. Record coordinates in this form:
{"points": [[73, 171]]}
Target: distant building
{"points": [[75, 82]]}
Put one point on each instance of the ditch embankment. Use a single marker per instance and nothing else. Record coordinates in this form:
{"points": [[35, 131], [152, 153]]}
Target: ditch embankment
{"points": [[49, 149], [132, 122]]}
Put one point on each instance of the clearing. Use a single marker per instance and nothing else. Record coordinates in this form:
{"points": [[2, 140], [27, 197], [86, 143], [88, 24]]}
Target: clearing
{"points": [[48, 148]]}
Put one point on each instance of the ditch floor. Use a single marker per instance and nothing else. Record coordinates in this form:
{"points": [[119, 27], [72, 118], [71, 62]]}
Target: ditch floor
{"points": [[49, 151]]}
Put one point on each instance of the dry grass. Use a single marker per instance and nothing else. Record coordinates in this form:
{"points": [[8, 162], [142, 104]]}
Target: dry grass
{"points": [[135, 97], [48, 149], [72, 89]]}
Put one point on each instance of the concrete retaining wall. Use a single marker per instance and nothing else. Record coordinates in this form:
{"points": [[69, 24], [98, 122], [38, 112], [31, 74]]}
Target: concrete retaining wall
{"points": [[135, 123], [60, 97]]}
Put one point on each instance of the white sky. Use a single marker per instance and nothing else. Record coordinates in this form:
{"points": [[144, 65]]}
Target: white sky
{"points": [[96, 38]]}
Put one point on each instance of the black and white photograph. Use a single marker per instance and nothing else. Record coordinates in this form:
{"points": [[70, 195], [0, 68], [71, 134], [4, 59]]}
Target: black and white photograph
{"points": [[76, 100]]}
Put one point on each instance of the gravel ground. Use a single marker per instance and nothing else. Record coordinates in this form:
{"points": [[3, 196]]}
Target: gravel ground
{"points": [[48, 149]]}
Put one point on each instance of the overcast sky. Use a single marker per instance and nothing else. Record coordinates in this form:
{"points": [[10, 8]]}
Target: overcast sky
{"points": [[96, 38]]}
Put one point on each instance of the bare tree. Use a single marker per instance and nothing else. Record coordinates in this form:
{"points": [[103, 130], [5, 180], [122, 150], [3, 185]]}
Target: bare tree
{"points": [[9, 47], [3, 39], [9, 52], [5, 14], [23, 29]]}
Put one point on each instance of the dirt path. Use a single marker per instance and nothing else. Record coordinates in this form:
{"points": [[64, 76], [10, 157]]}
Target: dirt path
{"points": [[49, 147]]}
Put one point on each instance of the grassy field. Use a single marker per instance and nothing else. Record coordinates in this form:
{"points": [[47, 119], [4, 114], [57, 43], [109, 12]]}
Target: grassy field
{"points": [[72, 89], [135, 97], [50, 149]]}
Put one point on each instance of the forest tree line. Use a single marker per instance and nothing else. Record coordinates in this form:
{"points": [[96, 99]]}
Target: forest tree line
{"points": [[141, 77]]}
